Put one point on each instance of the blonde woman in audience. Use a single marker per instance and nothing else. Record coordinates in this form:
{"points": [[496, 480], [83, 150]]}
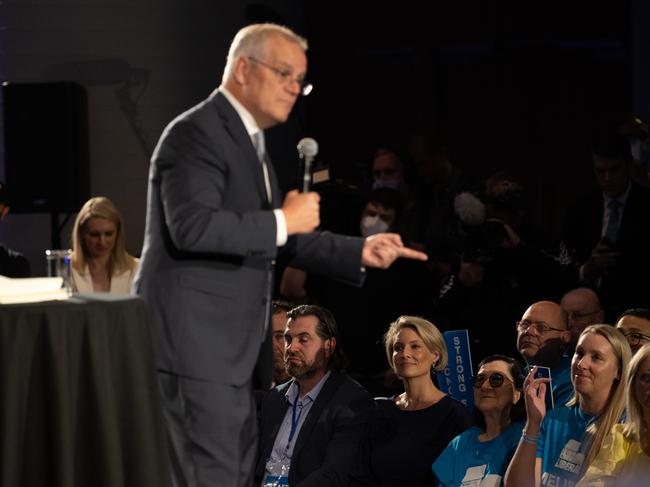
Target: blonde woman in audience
{"points": [[411, 429], [558, 446], [624, 459], [100, 262]]}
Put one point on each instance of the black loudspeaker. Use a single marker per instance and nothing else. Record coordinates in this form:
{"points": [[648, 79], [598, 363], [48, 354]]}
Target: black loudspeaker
{"points": [[46, 146]]}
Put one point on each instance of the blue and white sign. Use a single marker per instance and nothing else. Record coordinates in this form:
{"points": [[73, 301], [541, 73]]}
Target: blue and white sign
{"points": [[457, 378]]}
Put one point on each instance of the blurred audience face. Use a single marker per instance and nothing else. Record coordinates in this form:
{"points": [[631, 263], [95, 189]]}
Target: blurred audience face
{"points": [[99, 235], [411, 357], [636, 329], [612, 175], [376, 219], [430, 155], [387, 170], [279, 323], [642, 385], [583, 308], [306, 354], [495, 398], [546, 347], [594, 365]]}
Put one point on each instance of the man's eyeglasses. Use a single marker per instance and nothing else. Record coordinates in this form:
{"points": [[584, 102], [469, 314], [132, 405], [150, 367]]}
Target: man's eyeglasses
{"points": [[285, 76], [575, 316], [635, 338], [540, 327], [495, 380]]}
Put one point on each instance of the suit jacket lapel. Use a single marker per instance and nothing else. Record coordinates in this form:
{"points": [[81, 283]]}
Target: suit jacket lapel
{"points": [[275, 186], [237, 131], [277, 411]]}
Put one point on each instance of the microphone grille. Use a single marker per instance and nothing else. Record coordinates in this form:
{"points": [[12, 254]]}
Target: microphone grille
{"points": [[308, 147]]}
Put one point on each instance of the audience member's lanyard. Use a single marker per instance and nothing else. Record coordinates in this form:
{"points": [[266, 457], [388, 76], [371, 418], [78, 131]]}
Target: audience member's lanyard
{"points": [[294, 419]]}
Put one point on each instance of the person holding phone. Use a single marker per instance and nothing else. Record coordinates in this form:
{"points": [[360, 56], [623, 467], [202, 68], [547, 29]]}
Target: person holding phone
{"points": [[482, 453], [607, 230], [542, 338], [558, 446]]}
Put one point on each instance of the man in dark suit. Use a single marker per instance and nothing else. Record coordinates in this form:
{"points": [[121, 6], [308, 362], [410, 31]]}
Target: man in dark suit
{"points": [[311, 427], [215, 224], [608, 230]]}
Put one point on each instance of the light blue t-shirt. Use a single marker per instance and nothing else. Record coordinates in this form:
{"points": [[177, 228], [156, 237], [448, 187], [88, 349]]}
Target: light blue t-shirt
{"points": [[562, 386], [561, 446], [467, 462]]}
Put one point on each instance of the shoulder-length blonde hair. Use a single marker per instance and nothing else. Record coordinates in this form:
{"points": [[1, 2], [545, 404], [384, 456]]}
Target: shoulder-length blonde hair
{"points": [[430, 335], [615, 405], [634, 423], [100, 207]]}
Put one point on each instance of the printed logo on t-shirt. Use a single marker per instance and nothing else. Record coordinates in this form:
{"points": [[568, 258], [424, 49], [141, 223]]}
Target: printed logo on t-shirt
{"points": [[550, 480], [570, 458], [474, 478]]}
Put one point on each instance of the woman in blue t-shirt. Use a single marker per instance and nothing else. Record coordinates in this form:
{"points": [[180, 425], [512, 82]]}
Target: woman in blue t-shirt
{"points": [[557, 447], [624, 459], [482, 453]]}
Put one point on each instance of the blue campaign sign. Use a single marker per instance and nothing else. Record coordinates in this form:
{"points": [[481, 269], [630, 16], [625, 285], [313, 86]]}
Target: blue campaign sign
{"points": [[457, 378]]}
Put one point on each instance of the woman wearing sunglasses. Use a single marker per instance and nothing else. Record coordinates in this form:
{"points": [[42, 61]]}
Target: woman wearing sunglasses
{"points": [[484, 451], [624, 459], [557, 447], [411, 429]]}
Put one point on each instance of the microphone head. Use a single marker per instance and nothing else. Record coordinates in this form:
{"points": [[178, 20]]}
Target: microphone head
{"points": [[308, 147]]}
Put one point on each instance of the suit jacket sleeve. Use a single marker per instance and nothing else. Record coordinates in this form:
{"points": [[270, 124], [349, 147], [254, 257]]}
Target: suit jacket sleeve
{"points": [[198, 171], [325, 253]]}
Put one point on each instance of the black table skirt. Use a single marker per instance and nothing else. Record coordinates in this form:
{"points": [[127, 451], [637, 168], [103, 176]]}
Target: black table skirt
{"points": [[79, 403]]}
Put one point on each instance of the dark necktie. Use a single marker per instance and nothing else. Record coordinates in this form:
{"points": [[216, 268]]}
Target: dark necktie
{"points": [[614, 221], [260, 148]]}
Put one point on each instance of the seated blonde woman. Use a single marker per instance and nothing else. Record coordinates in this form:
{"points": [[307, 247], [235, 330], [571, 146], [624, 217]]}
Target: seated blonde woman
{"points": [[557, 447], [100, 262], [411, 429], [624, 459]]}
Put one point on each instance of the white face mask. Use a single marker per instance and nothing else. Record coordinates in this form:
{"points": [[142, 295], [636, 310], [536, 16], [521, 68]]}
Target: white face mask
{"points": [[371, 225], [395, 184]]}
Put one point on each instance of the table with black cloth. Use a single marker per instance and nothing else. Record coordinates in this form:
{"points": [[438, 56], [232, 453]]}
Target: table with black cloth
{"points": [[79, 401]]}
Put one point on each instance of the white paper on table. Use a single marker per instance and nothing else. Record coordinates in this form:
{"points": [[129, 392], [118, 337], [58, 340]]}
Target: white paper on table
{"points": [[31, 289]]}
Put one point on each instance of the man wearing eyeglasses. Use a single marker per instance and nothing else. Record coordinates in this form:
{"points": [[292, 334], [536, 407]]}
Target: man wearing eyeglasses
{"points": [[583, 308], [542, 338], [635, 325], [215, 224]]}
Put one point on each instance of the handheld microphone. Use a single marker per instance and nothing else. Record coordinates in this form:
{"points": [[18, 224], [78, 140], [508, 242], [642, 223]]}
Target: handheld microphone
{"points": [[307, 148]]}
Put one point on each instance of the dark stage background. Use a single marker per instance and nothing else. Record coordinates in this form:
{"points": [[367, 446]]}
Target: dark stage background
{"points": [[512, 85]]}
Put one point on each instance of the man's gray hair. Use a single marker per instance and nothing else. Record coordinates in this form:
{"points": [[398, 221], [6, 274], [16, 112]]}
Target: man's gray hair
{"points": [[251, 41]]}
